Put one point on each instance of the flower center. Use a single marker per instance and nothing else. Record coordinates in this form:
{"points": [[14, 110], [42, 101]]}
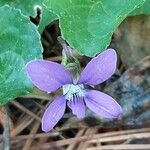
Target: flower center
{"points": [[71, 90]]}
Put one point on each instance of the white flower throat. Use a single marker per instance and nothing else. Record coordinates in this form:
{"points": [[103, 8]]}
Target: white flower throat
{"points": [[71, 90]]}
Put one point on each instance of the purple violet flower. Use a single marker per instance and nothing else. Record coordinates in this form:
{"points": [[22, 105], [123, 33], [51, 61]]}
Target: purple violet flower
{"points": [[49, 76]]}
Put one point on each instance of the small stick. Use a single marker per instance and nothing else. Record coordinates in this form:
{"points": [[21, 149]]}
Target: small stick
{"points": [[6, 134]]}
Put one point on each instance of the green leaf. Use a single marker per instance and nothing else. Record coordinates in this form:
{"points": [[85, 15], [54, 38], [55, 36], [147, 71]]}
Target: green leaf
{"points": [[46, 18], [144, 9], [88, 25], [19, 43], [28, 8]]}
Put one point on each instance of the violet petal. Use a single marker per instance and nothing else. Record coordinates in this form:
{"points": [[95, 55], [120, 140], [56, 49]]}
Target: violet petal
{"points": [[100, 68], [53, 113], [48, 76], [77, 106], [102, 104]]}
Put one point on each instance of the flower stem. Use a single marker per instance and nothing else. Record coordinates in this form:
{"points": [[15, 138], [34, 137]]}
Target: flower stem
{"points": [[69, 60], [67, 51]]}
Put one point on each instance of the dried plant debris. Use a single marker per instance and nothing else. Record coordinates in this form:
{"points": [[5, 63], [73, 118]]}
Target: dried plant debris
{"points": [[132, 91]]}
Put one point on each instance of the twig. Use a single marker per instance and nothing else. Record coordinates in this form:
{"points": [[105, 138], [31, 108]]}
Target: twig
{"points": [[71, 146], [123, 147], [93, 139], [22, 125], [56, 58], [21, 107], [30, 140], [90, 132], [34, 136], [6, 134]]}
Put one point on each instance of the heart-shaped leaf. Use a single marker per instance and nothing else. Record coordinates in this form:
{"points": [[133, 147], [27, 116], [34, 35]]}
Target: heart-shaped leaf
{"points": [[88, 25], [144, 9], [19, 43], [28, 8]]}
